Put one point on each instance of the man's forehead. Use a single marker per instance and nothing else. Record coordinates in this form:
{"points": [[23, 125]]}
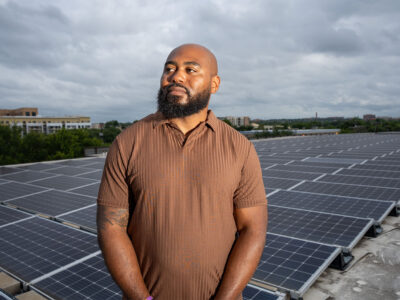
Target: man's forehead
{"points": [[187, 56], [195, 54]]}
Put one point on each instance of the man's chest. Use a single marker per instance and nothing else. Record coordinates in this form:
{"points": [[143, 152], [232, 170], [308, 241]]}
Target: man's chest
{"points": [[167, 165]]}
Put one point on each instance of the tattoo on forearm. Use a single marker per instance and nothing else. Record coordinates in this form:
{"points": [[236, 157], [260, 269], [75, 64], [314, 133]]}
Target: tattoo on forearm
{"points": [[112, 216]]}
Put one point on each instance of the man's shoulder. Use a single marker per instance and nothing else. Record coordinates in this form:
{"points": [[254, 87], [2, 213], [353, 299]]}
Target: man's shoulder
{"points": [[139, 127], [228, 132]]}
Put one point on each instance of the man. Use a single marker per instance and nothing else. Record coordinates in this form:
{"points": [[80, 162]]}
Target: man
{"points": [[177, 187]]}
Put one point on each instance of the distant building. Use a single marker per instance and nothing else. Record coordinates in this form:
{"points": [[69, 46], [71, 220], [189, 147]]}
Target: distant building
{"points": [[238, 121], [98, 125], [29, 120], [23, 111], [369, 117]]}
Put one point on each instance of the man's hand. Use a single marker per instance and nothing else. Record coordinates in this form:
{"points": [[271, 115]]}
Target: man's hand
{"points": [[243, 260], [118, 251]]}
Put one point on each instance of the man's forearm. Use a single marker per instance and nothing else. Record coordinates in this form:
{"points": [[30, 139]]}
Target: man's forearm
{"points": [[242, 262], [119, 254]]}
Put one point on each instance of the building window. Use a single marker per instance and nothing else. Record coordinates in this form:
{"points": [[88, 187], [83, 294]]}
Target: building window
{"points": [[34, 114], [27, 113]]}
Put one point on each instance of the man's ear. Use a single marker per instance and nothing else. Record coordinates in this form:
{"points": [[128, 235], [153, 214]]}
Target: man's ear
{"points": [[215, 81]]}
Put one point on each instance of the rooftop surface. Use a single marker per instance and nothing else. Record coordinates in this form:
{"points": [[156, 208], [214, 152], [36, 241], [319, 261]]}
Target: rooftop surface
{"points": [[333, 228]]}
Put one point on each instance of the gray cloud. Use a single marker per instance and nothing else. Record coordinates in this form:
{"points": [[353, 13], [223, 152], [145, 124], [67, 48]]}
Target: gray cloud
{"points": [[277, 58]]}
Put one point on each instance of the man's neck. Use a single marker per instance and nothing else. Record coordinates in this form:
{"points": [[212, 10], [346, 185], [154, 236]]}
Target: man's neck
{"points": [[187, 124]]}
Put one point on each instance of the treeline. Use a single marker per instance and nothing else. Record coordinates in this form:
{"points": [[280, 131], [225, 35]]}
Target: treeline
{"points": [[15, 148], [18, 148]]}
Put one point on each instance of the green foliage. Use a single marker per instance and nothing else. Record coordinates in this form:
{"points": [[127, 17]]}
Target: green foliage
{"points": [[110, 133], [39, 147]]}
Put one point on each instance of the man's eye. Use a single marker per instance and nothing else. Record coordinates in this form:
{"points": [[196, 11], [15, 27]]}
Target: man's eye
{"points": [[190, 70], [167, 70]]}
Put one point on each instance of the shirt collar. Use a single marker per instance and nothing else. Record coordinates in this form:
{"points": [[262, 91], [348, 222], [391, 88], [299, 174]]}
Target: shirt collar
{"points": [[211, 120]]}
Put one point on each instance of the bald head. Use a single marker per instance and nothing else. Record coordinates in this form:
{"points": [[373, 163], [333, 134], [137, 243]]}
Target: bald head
{"points": [[197, 52]]}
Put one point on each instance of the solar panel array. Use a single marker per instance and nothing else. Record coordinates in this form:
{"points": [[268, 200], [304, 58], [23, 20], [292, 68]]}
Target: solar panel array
{"points": [[325, 193]]}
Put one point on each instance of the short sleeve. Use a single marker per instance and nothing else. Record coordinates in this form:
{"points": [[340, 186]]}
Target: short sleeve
{"points": [[114, 189], [250, 191]]}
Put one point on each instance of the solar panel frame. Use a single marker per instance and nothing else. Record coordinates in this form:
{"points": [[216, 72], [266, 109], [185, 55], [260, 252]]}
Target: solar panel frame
{"points": [[362, 180], [377, 167], [95, 175], [88, 190], [279, 183], [85, 218], [296, 255], [253, 292], [9, 170], [319, 227], [52, 202], [27, 176], [64, 182], [89, 279], [10, 215], [354, 207], [369, 173], [349, 190], [35, 247], [290, 174], [320, 170], [70, 171], [13, 190], [39, 166], [340, 161]]}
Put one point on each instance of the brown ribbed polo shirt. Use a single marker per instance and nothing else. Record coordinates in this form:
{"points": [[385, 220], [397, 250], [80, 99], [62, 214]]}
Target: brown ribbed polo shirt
{"points": [[183, 193]]}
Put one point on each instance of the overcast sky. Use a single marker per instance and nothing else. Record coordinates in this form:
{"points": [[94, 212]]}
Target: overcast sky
{"points": [[277, 59]]}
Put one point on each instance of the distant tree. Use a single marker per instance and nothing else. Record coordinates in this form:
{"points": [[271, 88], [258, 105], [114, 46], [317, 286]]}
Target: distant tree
{"points": [[228, 122], [109, 134], [10, 145], [113, 123]]}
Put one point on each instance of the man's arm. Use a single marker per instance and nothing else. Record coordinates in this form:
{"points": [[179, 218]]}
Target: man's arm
{"points": [[251, 223], [118, 251]]}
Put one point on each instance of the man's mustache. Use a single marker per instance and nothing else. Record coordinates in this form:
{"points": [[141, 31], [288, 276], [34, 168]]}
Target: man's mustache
{"points": [[169, 86]]}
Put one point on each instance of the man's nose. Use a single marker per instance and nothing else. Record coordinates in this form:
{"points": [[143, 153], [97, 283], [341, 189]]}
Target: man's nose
{"points": [[178, 77]]}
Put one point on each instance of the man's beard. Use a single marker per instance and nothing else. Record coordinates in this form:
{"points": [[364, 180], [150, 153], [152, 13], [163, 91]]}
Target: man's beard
{"points": [[171, 108]]}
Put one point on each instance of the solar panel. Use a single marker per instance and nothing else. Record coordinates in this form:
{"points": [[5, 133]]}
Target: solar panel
{"points": [[36, 246], [354, 207], [290, 174], [317, 227], [317, 164], [348, 190], [8, 170], [52, 202], [361, 180], [27, 176], [8, 215], [39, 166], [87, 280], [252, 292], [377, 167], [304, 169], [6, 296], [89, 190], [95, 175], [95, 165], [345, 161], [71, 171], [369, 173], [279, 183], [292, 264], [13, 190], [85, 218], [75, 162], [63, 182]]}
